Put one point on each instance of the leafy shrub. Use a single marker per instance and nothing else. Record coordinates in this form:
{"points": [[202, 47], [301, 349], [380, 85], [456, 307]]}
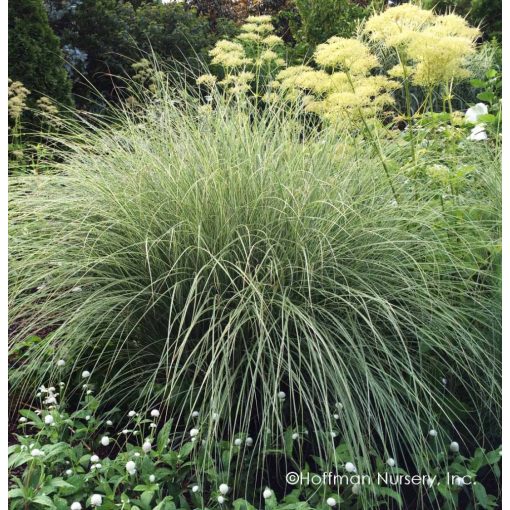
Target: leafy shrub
{"points": [[35, 58]]}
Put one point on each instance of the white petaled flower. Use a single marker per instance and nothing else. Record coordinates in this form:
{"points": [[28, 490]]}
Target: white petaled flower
{"points": [[478, 133], [391, 462], [147, 447], [432, 432], [454, 446], [155, 413], [331, 502], [249, 441], [36, 452], [61, 363], [131, 413], [69, 472], [48, 419], [152, 478], [281, 395], [356, 489], [94, 458], [295, 435], [193, 432], [105, 440], [350, 467], [238, 442], [221, 500], [195, 488], [131, 467], [96, 500], [109, 422], [76, 506], [195, 414], [267, 493], [473, 113], [85, 374], [23, 420], [224, 488]]}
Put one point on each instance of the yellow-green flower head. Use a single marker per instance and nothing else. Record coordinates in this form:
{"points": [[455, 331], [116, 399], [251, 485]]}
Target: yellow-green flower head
{"points": [[399, 71], [264, 28], [249, 36], [272, 40], [299, 78], [207, 79], [268, 56], [229, 54], [259, 19], [453, 25], [349, 55], [438, 59], [396, 26]]}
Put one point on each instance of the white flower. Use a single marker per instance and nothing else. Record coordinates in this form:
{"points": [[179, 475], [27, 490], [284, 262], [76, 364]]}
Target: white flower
{"points": [[195, 488], [432, 432], [333, 434], [48, 419], [131, 467], [23, 420], [458, 481], [221, 500], [155, 413], [61, 384], [36, 453], [391, 462], [94, 458], [331, 502], [87, 417], [356, 489], [295, 435], [95, 466], [109, 422], [478, 133], [267, 493], [281, 395], [85, 374], [454, 447], [136, 454], [89, 392], [195, 414], [69, 472], [85, 386], [215, 416], [193, 439], [105, 440], [147, 447], [152, 425], [76, 506], [336, 416], [474, 112], [61, 363], [131, 413], [224, 488], [249, 441], [152, 478], [96, 500], [193, 432], [126, 432], [350, 467], [238, 442]]}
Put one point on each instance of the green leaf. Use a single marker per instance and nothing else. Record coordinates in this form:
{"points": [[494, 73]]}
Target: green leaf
{"points": [[488, 117], [491, 73], [185, 450], [486, 96], [163, 436], [480, 494], [478, 83], [44, 501], [15, 493]]}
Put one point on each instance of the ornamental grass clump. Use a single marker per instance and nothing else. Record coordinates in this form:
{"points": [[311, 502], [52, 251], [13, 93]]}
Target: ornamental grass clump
{"points": [[245, 274]]}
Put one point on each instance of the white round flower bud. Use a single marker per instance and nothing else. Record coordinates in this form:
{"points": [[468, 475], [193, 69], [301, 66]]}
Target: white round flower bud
{"points": [[267, 493], [454, 447], [195, 414], [295, 436], [331, 502], [432, 432], [131, 413], [281, 395], [391, 462], [195, 488], [76, 506], [147, 447], [96, 500], [155, 413], [85, 374], [221, 500], [350, 467], [105, 440], [48, 419], [61, 363], [223, 488], [152, 478], [238, 442], [249, 441], [193, 432], [94, 458]]}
